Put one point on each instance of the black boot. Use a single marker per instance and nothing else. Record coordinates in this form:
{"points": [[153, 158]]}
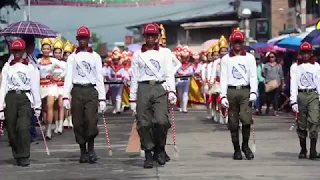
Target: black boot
{"points": [[160, 156], [236, 146], [92, 156], [24, 162], [84, 154], [148, 163], [246, 129], [313, 152], [167, 157], [303, 145]]}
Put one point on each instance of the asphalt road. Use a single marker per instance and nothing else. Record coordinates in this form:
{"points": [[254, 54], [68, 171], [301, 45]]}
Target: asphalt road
{"points": [[205, 153]]}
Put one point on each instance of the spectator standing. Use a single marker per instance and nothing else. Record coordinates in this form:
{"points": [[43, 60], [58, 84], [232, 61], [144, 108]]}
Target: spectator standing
{"points": [[274, 81], [261, 89]]}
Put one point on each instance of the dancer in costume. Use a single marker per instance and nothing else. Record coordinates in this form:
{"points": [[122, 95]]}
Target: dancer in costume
{"points": [[197, 66], [215, 85], [19, 93], [67, 51], [152, 86], [84, 82], [126, 63], [116, 73], [205, 75], [58, 76], [48, 87], [305, 90], [183, 83], [223, 44], [238, 82]]}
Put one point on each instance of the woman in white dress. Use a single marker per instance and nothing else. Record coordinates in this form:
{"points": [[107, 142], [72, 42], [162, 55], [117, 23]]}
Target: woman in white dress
{"points": [[58, 76], [48, 87]]}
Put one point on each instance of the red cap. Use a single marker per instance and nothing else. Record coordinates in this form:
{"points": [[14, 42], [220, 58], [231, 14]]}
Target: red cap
{"points": [[18, 44], [83, 32], [305, 46], [151, 28], [237, 36]]}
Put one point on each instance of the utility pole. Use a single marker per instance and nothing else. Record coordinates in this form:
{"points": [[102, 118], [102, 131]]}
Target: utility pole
{"points": [[303, 12]]}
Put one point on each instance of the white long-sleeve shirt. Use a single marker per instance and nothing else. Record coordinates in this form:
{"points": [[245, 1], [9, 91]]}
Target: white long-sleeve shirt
{"points": [[141, 72], [47, 70], [304, 76], [31, 59], [92, 63], [216, 71], [176, 63], [29, 81], [230, 75]]}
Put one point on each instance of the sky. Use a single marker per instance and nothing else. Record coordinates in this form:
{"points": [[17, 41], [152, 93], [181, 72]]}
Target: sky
{"points": [[110, 23]]}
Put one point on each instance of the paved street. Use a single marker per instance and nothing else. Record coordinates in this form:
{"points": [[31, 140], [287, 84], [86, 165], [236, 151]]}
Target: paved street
{"points": [[205, 153]]}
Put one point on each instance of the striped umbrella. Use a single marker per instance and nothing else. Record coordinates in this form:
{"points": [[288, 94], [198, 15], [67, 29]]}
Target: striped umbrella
{"points": [[28, 28]]}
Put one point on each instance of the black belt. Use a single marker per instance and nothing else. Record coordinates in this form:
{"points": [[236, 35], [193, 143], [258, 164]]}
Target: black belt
{"points": [[84, 85], [151, 82], [19, 91], [113, 82], [239, 87], [306, 90]]}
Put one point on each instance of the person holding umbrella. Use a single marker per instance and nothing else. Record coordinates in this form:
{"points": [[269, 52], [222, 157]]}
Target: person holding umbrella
{"points": [[19, 93]]}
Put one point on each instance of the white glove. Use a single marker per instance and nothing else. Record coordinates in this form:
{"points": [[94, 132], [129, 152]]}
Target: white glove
{"points": [[295, 108], [172, 98], [37, 112], [253, 97], [2, 115], [225, 102], [66, 104], [133, 106], [102, 105]]}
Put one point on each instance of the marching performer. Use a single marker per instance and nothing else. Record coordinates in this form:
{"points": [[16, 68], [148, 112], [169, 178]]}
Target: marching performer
{"points": [[238, 82], [84, 83], [116, 73], [58, 76], [67, 51], [19, 93], [126, 63], [215, 84], [152, 86], [196, 65], [48, 87], [223, 43], [305, 100], [183, 83], [205, 75]]}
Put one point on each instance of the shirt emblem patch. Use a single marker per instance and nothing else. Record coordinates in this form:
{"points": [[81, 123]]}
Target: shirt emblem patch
{"points": [[156, 64], [305, 80], [236, 74], [87, 67]]}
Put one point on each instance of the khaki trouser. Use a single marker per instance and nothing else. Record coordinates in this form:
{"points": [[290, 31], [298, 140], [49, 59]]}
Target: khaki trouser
{"points": [[308, 116], [152, 116], [239, 108], [85, 116], [18, 115]]}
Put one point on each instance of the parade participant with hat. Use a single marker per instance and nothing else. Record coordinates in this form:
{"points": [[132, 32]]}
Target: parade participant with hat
{"points": [[48, 86], [152, 86], [205, 75], [183, 84], [126, 63], [67, 51], [58, 76], [196, 65], [305, 100], [223, 45], [238, 83], [84, 82], [116, 73], [215, 85], [19, 93]]}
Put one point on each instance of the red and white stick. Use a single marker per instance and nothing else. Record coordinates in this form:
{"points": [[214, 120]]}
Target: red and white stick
{"points": [[253, 148], [173, 128], [1, 127], [107, 134], [44, 138]]}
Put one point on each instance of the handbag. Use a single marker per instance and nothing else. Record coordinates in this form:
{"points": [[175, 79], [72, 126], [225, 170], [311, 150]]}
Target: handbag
{"points": [[273, 84]]}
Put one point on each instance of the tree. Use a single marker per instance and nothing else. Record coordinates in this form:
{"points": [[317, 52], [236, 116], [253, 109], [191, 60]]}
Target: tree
{"points": [[96, 41], [13, 3]]}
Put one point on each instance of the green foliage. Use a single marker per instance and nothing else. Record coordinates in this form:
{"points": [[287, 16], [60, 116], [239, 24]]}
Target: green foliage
{"points": [[96, 41], [13, 3]]}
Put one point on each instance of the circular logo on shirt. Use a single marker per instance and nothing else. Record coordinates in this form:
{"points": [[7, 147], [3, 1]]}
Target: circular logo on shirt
{"points": [[86, 66], [155, 64], [305, 80], [235, 72], [23, 79]]}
